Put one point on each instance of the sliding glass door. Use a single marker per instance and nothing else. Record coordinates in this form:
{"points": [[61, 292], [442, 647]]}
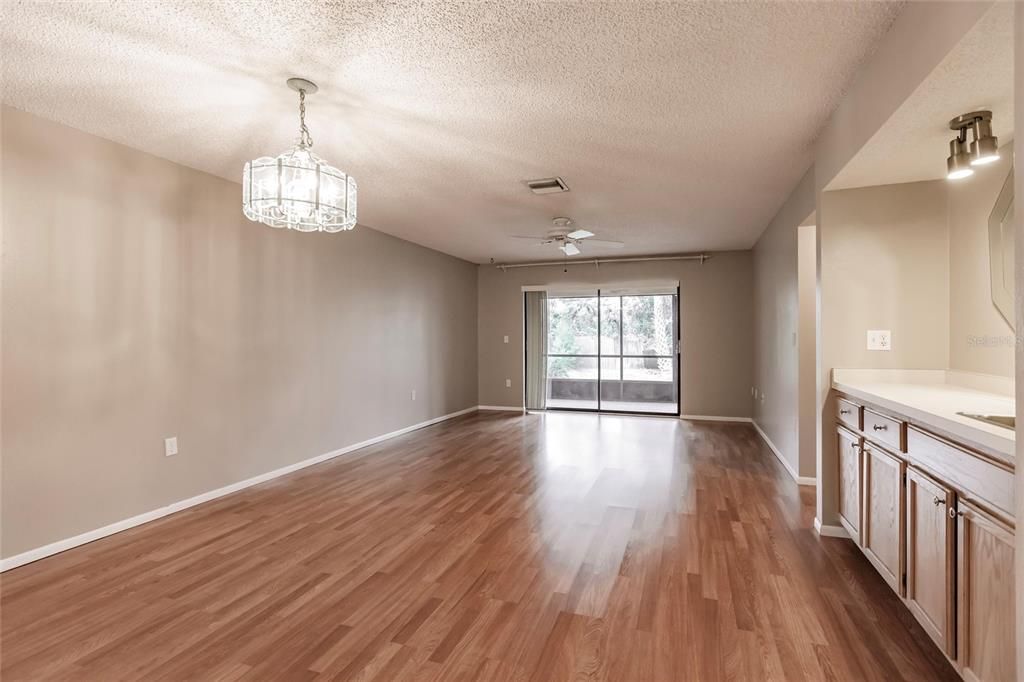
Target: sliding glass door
{"points": [[613, 352], [572, 356]]}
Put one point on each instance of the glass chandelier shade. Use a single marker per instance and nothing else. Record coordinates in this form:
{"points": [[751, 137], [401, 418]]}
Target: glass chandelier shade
{"points": [[298, 190]]}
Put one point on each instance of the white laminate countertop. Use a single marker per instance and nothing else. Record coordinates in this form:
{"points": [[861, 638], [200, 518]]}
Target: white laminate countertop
{"points": [[933, 398]]}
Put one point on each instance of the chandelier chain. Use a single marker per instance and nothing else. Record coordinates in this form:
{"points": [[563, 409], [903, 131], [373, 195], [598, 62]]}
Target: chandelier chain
{"points": [[305, 139]]}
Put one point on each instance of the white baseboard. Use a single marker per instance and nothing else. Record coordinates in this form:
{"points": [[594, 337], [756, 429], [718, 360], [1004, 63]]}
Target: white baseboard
{"points": [[89, 536], [829, 531], [800, 480], [500, 408], [712, 418]]}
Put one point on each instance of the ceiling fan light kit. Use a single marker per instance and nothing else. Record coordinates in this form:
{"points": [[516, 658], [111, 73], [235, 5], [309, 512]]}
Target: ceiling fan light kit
{"points": [[570, 242], [298, 190]]}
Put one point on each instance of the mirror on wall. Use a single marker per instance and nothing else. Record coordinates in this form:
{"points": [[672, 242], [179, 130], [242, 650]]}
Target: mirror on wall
{"points": [[1000, 244]]}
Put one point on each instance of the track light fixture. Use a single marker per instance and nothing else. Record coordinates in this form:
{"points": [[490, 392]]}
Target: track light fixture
{"points": [[984, 147]]}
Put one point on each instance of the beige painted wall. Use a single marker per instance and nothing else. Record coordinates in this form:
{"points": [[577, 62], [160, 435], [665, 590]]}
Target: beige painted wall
{"points": [[716, 316], [138, 304], [885, 265], [980, 340], [776, 327]]}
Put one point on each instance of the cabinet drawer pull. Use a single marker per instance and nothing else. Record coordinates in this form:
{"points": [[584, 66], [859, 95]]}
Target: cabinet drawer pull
{"points": [[880, 427]]}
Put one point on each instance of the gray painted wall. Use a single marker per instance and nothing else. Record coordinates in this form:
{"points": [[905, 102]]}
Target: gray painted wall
{"points": [[716, 317], [138, 303], [776, 327]]}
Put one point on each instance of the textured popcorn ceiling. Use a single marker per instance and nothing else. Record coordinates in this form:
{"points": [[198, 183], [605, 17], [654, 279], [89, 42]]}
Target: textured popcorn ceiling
{"points": [[914, 143], [678, 126]]}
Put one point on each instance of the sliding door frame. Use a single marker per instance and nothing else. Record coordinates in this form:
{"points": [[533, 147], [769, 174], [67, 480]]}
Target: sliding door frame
{"points": [[676, 360]]}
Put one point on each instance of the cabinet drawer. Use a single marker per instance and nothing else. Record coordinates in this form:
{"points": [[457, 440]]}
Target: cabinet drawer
{"points": [[884, 430], [848, 413], [976, 478]]}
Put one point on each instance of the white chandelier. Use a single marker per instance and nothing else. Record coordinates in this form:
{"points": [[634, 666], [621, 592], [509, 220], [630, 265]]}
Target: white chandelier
{"points": [[298, 189]]}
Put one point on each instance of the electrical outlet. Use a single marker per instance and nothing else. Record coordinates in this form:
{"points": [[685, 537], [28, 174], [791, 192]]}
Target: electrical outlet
{"points": [[414, 394], [506, 338], [508, 383], [170, 446], [879, 339]]}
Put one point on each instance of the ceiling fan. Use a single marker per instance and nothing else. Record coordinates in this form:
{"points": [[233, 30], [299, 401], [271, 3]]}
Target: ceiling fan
{"points": [[570, 242]]}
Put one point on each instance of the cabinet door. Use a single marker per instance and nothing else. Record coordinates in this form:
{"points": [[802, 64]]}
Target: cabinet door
{"points": [[931, 557], [985, 604], [849, 452], [882, 526]]}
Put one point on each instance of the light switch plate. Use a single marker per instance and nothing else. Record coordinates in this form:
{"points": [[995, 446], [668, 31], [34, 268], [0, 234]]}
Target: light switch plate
{"points": [[508, 383], [170, 446], [879, 339], [506, 338]]}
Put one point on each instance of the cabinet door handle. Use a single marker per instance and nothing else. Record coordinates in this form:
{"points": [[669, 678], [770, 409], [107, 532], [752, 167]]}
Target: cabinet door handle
{"points": [[953, 513], [844, 412], [880, 427], [937, 501]]}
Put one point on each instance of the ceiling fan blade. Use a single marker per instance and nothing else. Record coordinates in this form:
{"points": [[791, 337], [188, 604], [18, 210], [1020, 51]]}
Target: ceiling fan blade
{"points": [[569, 249], [605, 243], [580, 234]]}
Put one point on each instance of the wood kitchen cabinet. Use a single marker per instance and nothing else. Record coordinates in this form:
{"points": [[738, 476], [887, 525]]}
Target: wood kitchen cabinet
{"points": [[934, 516], [931, 557], [985, 600], [848, 447], [882, 527]]}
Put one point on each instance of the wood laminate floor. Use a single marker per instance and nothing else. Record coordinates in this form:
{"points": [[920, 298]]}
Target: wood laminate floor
{"points": [[490, 547]]}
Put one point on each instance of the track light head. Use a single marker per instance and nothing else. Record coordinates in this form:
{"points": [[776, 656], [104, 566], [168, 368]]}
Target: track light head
{"points": [[958, 165], [984, 148]]}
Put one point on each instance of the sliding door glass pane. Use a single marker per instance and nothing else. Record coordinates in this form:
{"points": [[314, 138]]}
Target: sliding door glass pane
{"points": [[573, 367], [646, 376], [648, 369], [572, 382], [648, 325], [572, 353], [572, 326], [611, 368], [611, 336]]}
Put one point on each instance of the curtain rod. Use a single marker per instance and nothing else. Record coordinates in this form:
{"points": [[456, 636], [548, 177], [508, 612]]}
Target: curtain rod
{"points": [[598, 261]]}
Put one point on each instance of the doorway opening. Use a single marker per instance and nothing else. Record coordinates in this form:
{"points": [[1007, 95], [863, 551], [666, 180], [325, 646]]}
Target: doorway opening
{"points": [[606, 351]]}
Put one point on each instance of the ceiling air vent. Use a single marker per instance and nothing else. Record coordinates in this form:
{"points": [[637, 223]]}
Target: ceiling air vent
{"points": [[547, 185]]}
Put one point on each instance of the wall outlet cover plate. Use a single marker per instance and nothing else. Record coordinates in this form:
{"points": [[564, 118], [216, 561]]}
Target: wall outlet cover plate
{"points": [[879, 339]]}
